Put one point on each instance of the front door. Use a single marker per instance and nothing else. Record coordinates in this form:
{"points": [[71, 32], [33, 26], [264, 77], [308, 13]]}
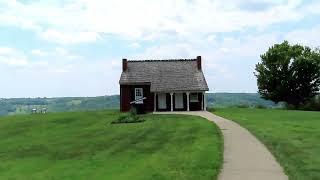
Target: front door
{"points": [[178, 100], [162, 101]]}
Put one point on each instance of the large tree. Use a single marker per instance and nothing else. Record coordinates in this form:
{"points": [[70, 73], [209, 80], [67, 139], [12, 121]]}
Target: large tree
{"points": [[289, 73]]}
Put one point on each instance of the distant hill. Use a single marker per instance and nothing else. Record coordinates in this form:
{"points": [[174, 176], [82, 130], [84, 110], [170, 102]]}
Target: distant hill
{"points": [[25, 105], [238, 99], [61, 104]]}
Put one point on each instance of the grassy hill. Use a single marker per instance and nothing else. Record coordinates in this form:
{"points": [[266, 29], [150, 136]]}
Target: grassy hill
{"points": [[292, 136], [63, 104], [85, 145]]}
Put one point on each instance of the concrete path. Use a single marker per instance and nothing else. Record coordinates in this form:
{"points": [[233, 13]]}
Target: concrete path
{"points": [[245, 158]]}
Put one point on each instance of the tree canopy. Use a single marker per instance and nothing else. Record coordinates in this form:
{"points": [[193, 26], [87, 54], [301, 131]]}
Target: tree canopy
{"points": [[289, 73]]}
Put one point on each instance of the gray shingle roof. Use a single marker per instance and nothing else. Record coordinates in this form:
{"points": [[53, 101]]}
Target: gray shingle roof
{"points": [[165, 75]]}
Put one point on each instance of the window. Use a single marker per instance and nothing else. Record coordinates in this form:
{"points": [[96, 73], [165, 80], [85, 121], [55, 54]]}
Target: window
{"points": [[138, 95], [138, 92], [194, 97]]}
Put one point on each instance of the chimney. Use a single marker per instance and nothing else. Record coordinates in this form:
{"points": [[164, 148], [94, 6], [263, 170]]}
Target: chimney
{"points": [[124, 64], [199, 62]]}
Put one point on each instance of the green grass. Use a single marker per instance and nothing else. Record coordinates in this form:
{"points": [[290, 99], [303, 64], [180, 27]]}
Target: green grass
{"points": [[84, 145], [292, 136]]}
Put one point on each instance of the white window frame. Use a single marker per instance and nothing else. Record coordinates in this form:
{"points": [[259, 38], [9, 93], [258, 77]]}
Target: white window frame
{"points": [[194, 97], [138, 97]]}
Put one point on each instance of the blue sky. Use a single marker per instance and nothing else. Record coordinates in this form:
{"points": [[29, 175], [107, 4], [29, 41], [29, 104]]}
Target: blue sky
{"points": [[58, 48]]}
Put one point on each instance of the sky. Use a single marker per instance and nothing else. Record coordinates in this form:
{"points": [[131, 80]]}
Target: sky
{"points": [[55, 48]]}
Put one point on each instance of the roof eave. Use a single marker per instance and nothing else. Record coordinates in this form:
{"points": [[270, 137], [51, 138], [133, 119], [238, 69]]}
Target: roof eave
{"points": [[134, 83], [180, 90]]}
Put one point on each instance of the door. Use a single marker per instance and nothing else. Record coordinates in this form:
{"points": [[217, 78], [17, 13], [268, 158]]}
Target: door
{"points": [[178, 100], [162, 101]]}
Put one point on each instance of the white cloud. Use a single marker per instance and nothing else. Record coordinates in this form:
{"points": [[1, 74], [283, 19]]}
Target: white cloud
{"points": [[211, 37], [63, 53], [135, 45], [7, 50], [38, 52], [58, 52], [61, 37], [83, 21], [168, 51], [55, 60], [305, 36], [312, 8], [12, 57]]}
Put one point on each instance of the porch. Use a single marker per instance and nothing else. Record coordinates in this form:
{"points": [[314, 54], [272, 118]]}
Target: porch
{"points": [[180, 101]]}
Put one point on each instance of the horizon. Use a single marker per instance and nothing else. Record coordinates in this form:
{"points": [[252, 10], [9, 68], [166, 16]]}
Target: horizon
{"points": [[74, 48], [114, 95]]}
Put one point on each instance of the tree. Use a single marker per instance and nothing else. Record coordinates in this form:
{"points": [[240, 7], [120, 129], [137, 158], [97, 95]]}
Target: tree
{"points": [[289, 73]]}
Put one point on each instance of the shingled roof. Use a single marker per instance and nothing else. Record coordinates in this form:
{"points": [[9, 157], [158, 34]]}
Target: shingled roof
{"points": [[165, 75]]}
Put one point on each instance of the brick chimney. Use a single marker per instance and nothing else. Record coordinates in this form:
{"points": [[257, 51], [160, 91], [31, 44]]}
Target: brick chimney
{"points": [[199, 62], [124, 64]]}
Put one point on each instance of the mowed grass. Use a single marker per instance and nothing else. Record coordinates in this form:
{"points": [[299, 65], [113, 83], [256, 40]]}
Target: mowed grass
{"points": [[292, 136], [84, 145]]}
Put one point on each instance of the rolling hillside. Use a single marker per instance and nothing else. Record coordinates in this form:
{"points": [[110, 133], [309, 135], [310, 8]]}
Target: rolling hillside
{"points": [[85, 145], [237, 99], [62, 104], [25, 105]]}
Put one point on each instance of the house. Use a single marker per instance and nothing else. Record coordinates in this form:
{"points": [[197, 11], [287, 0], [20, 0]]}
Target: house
{"points": [[163, 85]]}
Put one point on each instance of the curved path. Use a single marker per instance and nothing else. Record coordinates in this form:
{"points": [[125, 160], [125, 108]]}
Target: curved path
{"points": [[245, 158]]}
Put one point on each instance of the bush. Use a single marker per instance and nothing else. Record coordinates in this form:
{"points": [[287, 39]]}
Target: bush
{"points": [[289, 106], [133, 111], [132, 117], [211, 109], [260, 106], [242, 106], [312, 105]]}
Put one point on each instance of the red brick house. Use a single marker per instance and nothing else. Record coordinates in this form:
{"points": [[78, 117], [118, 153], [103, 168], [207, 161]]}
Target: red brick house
{"points": [[163, 85]]}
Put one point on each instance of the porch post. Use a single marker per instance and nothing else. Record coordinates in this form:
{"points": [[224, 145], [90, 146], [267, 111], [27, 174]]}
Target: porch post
{"points": [[204, 101], [171, 97], [155, 102], [188, 108]]}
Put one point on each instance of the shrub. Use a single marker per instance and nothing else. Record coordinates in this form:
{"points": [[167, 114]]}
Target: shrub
{"points": [[260, 106], [133, 111], [132, 117], [312, 105], [211, 109], [242, 106], [289, 106]]}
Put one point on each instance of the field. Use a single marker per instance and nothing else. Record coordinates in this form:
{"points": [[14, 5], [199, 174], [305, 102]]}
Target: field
{"points": [[292, 136], [84, 145]]}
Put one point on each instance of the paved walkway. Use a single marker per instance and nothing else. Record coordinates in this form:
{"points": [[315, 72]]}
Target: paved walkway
{"points": [[245, 158]]}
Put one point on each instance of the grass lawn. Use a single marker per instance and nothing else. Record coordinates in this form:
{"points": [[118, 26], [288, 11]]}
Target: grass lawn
{"points": [[84, 145], [292, 136]]}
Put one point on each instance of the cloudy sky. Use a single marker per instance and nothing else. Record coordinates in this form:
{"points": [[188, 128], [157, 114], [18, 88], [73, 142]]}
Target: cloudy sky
{"points": [[51, 48]]}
